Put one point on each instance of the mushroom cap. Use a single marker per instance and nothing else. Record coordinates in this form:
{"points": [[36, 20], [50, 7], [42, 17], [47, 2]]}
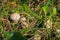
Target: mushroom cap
{"points": [[15, 17]]}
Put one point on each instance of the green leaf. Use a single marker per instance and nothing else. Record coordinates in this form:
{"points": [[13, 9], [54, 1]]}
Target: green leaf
{"points": [[8, 34], [53, 11], [45, 9], [17, 36], [1, 23]]}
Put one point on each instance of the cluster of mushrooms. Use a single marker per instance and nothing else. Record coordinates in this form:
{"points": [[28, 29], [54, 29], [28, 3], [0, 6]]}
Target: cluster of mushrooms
{"points": [[16, 16]]}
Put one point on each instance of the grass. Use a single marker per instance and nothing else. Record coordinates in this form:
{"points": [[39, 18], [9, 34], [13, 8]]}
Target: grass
{"points": [[38, 20]]}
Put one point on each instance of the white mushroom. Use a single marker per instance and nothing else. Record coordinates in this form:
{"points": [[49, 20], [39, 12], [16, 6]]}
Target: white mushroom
{"points": [[15, 17]]}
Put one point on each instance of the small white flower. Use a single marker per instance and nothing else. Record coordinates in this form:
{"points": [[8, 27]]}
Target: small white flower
{"points": [[48, 23], [24, 24], [15, 17], [23, 19], [58, 30], [37, 37]]}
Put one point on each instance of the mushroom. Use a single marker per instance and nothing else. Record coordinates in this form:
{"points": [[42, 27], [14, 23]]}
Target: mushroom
{"points": [[15, 17]]}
